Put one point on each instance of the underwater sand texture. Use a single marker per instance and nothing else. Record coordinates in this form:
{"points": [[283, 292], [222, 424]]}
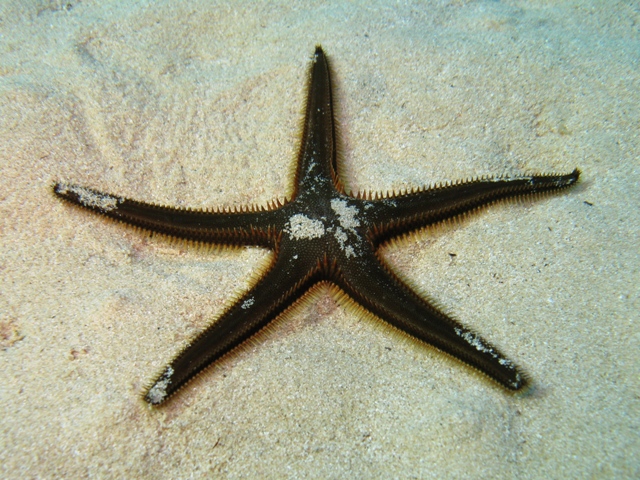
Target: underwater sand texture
{"points": [[200, 105]]}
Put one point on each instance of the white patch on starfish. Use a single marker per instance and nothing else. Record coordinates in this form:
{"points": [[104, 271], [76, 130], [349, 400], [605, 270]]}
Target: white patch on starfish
{"points": [[301, 227], [91, 199], [475, 341], [348, 219], [347, 216], [158, 392], [247, 303]]}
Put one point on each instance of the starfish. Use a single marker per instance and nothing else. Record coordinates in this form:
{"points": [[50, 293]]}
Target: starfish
{"points": [[324, 233]]}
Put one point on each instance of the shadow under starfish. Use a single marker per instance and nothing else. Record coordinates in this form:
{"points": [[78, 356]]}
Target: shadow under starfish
{"points": [[324, 233]]}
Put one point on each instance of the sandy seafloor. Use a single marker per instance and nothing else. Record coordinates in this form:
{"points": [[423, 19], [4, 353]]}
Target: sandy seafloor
{"points": [[199, 104]]}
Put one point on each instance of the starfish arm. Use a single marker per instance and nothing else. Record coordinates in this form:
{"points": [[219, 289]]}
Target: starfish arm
{"points": [[317, 161], [385, 295], [275, 292], [244, 227], [395, 215]]}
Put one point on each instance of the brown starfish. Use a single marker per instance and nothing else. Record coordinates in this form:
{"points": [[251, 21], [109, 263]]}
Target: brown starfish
{"points": [[324, 233]]}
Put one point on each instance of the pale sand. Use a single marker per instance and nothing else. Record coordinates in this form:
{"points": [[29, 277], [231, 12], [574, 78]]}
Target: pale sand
{"points": [[200, 106]]}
